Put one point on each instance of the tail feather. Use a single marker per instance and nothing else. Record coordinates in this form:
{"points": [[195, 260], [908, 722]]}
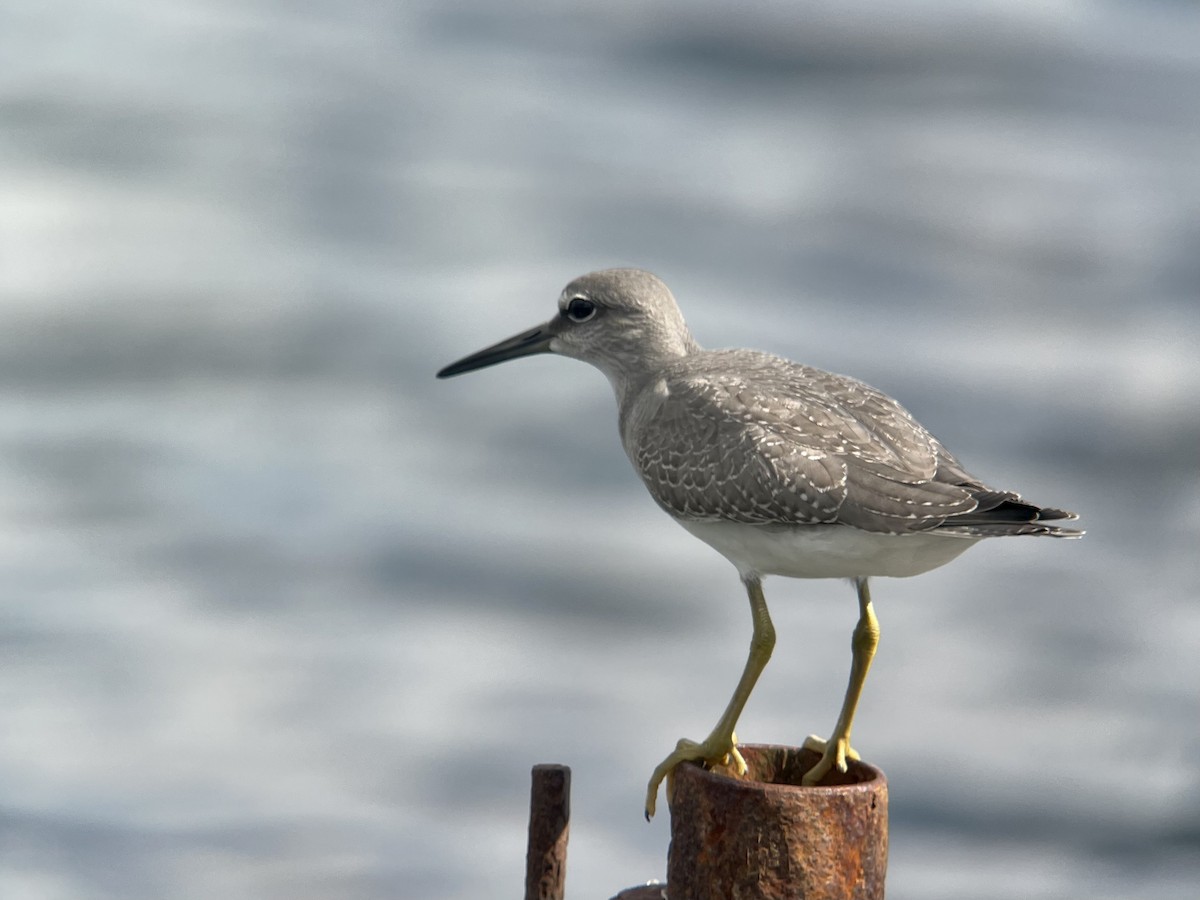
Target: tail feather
{"points": [[1002, 513], [1008, 529]]}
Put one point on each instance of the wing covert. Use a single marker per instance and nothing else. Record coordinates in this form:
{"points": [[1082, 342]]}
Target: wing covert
{"points": [[761, 442]]}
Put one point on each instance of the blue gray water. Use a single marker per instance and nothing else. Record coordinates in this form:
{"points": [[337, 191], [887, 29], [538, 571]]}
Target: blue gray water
{"points": [[285, 617]]}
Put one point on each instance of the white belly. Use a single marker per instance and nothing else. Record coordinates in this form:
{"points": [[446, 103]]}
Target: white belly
{"points": [[826, 551]]}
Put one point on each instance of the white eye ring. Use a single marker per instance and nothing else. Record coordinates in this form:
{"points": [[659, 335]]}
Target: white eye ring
{"points": [[580, 309]]}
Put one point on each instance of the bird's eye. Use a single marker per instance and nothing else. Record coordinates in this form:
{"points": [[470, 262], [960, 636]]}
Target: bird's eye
{"points": [[580, 309]]}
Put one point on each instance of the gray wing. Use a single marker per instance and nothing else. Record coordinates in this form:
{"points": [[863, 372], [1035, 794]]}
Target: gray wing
{"points": [[757, 439]]}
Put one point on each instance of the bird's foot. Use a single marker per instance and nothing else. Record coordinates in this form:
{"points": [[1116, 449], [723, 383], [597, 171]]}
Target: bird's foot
{"points": [[834, 753], [714, 750]]}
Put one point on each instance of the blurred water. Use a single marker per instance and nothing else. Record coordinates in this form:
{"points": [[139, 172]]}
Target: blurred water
{"points": [[285, 617]]}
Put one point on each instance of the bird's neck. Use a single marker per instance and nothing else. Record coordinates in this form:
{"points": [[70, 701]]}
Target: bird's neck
{"points": [[629, 382]]}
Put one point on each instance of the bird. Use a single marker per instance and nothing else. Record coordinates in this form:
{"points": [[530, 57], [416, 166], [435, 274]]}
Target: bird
{"points": [[782, 468]]}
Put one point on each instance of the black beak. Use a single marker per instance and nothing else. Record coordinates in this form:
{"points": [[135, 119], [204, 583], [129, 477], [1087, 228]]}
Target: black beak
{"points": [[525, 344]]}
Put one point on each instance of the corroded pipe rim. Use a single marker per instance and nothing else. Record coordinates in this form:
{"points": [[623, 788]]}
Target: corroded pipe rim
{"points": [[776, 768]]}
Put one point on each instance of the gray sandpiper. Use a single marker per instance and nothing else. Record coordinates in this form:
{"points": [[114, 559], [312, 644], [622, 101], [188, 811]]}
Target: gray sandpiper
{"points": [[783, 469]]}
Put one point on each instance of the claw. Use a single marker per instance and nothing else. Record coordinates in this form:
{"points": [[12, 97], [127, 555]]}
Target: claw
{"points": [[712, 751], [734, 758], [834, 753]]}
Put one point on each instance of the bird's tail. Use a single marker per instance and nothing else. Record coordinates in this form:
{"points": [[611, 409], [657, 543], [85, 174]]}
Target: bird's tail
{"points": [[1003, 513]]}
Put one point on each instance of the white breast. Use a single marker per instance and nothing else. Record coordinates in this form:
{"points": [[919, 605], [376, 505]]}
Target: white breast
{"points": [[826, 551]]}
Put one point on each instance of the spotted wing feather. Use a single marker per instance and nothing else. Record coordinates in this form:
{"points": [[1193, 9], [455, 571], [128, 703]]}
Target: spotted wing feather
{"points": [[747, 437]]}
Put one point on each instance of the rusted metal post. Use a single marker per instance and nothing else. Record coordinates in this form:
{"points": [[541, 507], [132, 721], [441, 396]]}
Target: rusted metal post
{"points": [[549, 828], [766, 837]]}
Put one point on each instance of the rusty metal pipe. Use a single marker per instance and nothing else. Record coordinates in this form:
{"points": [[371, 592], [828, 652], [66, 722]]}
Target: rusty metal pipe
{"points": [[549, 830], [766, 837]]}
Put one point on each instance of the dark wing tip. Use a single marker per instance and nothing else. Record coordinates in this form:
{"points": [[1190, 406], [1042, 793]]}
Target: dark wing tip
{"points": [[1005, 513]]}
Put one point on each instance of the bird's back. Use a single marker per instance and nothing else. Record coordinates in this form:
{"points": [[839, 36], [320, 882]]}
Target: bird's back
{"points": [[747, 437]]}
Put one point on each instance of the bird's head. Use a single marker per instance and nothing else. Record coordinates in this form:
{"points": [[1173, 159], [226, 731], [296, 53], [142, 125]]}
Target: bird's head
{"points": [[622, 321]]}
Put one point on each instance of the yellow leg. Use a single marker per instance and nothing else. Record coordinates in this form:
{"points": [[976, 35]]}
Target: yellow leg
{"points": [[836, 750], [721, 744]]}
